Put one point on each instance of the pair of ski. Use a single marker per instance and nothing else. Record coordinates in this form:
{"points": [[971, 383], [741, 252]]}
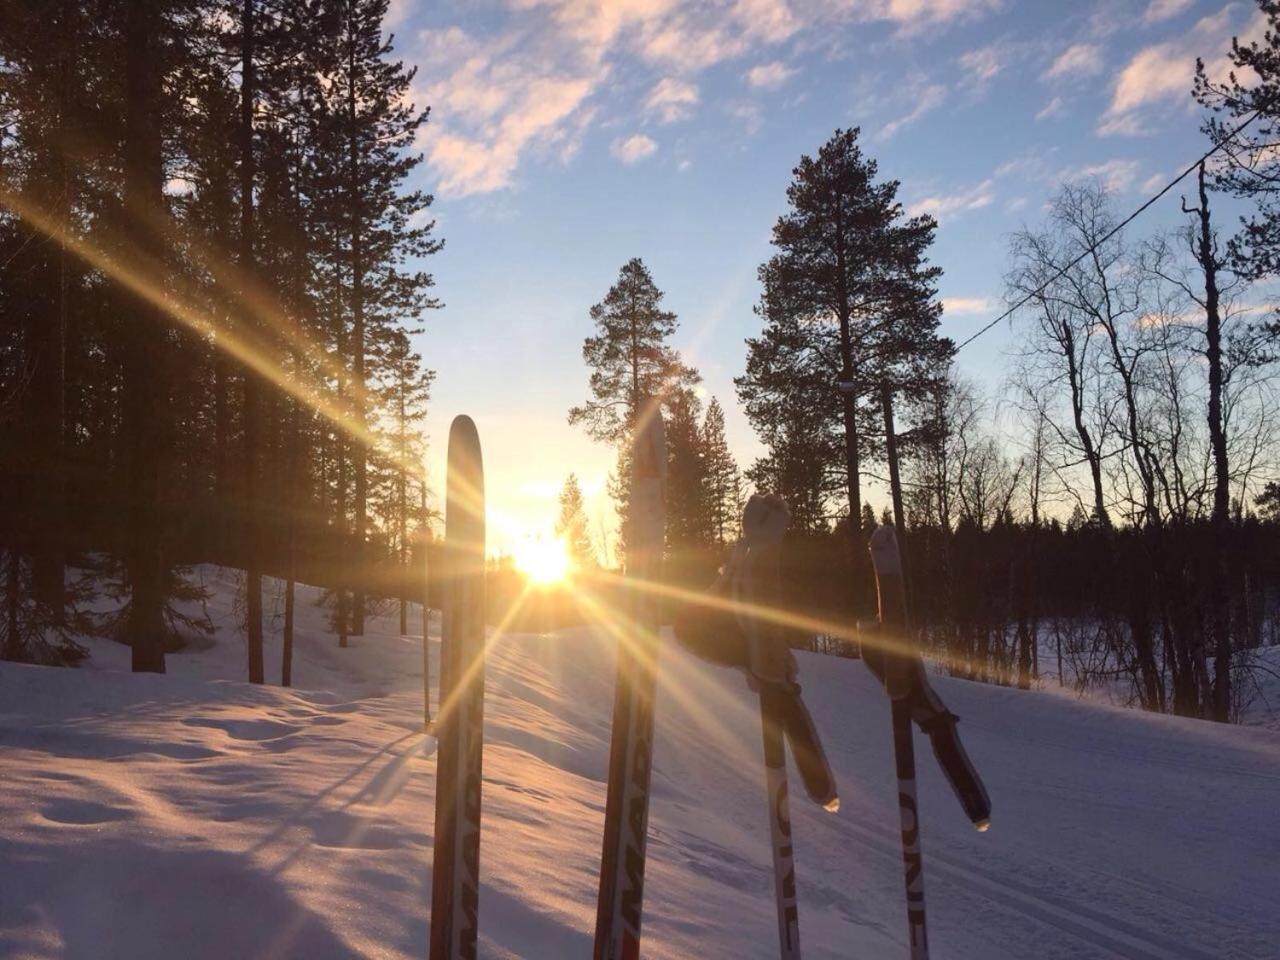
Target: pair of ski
{"points": [[459, 723], [460, 720], [753, 580]]}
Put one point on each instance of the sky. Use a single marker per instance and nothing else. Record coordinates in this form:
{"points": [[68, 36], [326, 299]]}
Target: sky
{"points": [[567, 136]]}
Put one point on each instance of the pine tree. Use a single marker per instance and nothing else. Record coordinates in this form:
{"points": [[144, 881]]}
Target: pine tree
{"points": [[722, 478], [143, 210], [571, 524], [1252, 170], [405, 392], [632, 366], [369, 125], [688, 512], [849, 303]]}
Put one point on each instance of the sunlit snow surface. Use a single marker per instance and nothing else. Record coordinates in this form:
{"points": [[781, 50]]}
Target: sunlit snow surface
{"points": [[192, 815]]}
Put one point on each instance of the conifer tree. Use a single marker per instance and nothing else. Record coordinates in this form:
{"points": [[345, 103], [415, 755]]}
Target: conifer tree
{"points": [[1252, 170], [369, 124], [688, 508], [404, 395], [721, 472], [632, 366], [571, 524], [849, 303]]}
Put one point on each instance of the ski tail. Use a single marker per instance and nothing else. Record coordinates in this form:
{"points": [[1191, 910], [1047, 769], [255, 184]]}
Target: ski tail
{"points": [[620, 904], [455, 880]]}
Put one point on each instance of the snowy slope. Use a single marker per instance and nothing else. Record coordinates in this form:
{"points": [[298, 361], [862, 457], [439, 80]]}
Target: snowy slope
{"points": [[192, 816]]}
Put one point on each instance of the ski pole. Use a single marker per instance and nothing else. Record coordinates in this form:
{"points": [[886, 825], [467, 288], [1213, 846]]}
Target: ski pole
{"points": [[766, 654], [897, 669]]}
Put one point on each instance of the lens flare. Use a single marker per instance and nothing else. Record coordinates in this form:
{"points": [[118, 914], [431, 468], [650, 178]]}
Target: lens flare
{"points": [[544, 561]]}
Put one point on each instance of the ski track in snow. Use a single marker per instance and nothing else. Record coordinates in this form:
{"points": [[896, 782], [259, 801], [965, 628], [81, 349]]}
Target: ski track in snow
{"points": [[196, 816]]}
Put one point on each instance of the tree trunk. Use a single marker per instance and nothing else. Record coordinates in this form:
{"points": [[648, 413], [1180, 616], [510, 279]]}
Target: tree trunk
{"points": [[12, 648], [143, 366], [252, 544], [361, 459], [1219, 611]]}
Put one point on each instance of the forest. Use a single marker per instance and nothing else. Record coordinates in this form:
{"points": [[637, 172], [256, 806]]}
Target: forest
{"points": [[216, 310]]}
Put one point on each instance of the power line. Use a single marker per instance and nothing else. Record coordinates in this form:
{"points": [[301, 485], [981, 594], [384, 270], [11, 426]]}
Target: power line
{"points": [[1110, 233]]}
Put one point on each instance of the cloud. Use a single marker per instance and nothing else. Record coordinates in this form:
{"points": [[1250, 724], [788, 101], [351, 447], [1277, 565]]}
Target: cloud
{"points": [[1154, 182], [748, 112], [633, 149], [1051, 109], [1078, 60], [927, 96], [967, 305], [672, 100], [985, 63], [946, 205], [530, 81], [397, 13], [1159, 10], [1118, 176], [1163, 73], [769, 76], [915, 15]]}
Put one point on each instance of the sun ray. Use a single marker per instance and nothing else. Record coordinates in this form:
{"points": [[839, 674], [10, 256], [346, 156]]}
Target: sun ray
{"points": [[621, 627]]}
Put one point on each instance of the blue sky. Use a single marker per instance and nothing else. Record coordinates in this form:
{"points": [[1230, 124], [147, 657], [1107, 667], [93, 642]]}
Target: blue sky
{"points": [[570, 135]]}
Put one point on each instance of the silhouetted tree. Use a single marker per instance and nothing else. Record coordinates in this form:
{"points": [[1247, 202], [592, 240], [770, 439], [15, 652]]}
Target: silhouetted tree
{"points": [[849, 303], [571, 524], [631, 364]]}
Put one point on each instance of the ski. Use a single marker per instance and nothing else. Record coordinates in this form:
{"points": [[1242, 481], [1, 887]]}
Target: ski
{"points": [[626, 821], [459, 723], [900, 669]]}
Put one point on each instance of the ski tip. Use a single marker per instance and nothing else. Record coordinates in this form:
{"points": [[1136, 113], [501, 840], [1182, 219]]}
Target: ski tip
{"points": [[464, 438], [832, 805], [983, 825]]}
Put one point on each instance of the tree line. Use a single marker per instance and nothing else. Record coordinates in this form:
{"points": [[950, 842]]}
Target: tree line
{"points": [[1114, 507], [210, 271]]}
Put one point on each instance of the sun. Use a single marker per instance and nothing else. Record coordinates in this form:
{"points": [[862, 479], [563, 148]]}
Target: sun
{"points": [[544, 560]]}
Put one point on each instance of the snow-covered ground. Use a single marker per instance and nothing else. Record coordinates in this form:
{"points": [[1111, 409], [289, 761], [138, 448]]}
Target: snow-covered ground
{"points": [[192, 815]]}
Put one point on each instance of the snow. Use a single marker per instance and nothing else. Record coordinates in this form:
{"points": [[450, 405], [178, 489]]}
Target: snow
{"points": [[193, 815]]}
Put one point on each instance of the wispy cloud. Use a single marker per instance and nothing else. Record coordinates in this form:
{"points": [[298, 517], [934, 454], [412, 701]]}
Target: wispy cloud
{"points": [[532, 84], [985, 63], [926, 97], [748, 112], [1163, 73], [967, 305], [1159, 10], [1118, 176], [1054, 108], [671, 99], [1078, 60], [634, 148], [946, 205], [769, 76]]}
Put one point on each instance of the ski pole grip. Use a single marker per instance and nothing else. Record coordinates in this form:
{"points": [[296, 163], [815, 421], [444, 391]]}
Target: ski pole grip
{"points": [[891, 650]]}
